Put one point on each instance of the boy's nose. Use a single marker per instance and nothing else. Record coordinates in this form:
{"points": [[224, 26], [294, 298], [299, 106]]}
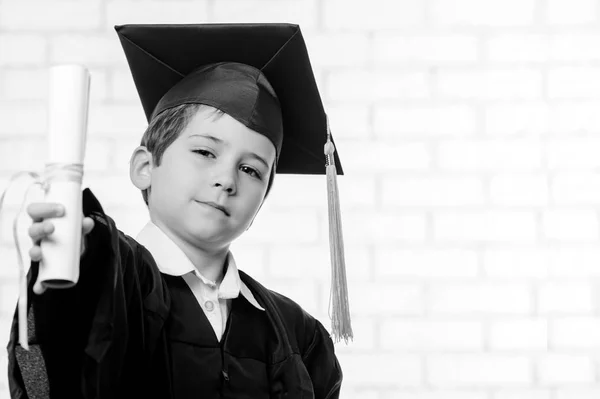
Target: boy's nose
{"points": [[226, 182]]}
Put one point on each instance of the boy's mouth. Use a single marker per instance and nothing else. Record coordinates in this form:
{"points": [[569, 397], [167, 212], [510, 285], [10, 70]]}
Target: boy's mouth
{"points": [[216, 206]]}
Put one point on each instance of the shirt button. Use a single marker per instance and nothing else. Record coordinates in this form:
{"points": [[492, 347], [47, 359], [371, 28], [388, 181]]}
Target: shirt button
{"points": [[209, 306]]}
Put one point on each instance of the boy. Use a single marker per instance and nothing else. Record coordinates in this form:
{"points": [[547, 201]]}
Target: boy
{"points": [[170, 315]]}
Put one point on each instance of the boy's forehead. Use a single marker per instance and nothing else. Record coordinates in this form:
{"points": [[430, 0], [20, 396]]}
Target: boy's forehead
{"points": [[211, 124]]}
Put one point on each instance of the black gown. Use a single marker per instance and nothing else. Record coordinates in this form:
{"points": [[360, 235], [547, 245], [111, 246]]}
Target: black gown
{"points": [[127, 331]]}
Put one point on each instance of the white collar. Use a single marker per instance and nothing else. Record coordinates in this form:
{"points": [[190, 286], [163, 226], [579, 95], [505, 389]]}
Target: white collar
{"points": [[171, 260]]}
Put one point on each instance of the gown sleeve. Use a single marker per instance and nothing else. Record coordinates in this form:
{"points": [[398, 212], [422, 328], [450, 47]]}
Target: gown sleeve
{"points": [[94, 337], [322, 364]]}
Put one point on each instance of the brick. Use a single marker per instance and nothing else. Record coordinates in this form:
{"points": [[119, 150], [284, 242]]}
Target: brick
{"points": [[515, 263], [382, 227], [575, 262], [491, 13], [531, 393], [575, 333], [579, 393], [124, 146], [577, 117], [572, 153], [19, 84], [22, 154], [530, 118], [554, 369], [90, 50], [377, 86], [573, 188], [490, 84], [519, 189], [33, 84], [516, 154], [509, 226], [301, 12], [306, 227], [565, 298], [122, 86], [392, 49], [575, 47], [432, 191], [518, 48], [398, 121], [479, 370], [312, 262], [13, 46], [519, 335], [425, 263], [309, 191], [349, 121], [57, 15], [155, 12], [356, 393], [567, 224], [382, 298], [114, 189], [573, 12], [117, 120], [97, 154], [384, 156], [573, 82], [431, 336], [473, 299], [438, 394], [351, 49], [14, 115], [383, 14], [406, 370]]}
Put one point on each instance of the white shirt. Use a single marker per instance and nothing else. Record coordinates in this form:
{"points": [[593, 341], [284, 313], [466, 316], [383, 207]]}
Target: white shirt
{"points": [[214, 299]]}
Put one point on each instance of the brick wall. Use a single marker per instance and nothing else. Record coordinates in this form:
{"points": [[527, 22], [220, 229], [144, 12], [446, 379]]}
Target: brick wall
{"points": [[469, 131]]}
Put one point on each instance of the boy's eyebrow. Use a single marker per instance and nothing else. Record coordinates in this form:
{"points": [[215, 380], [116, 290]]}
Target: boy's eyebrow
{"points": [[219, 141], [259, 158], [207, 136]]}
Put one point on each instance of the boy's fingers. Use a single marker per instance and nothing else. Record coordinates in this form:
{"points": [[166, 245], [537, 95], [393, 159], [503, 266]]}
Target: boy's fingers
{"points": [[41, 210], [88, 225], [38, 231], [35, 253], [38, 288]]}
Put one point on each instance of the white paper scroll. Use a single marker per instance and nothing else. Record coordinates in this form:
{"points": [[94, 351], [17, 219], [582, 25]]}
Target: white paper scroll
{"points": [[67, 130]]}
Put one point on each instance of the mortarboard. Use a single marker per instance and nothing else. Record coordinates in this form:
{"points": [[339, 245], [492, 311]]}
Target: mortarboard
{"points": [[212, 63], [259, 74]]}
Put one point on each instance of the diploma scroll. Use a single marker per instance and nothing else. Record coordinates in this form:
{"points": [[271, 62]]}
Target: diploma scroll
{"points": [[67, 130]]}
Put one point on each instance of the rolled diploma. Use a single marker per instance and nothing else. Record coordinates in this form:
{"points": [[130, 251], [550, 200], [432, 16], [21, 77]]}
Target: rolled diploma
{"points": [[67, 129]]}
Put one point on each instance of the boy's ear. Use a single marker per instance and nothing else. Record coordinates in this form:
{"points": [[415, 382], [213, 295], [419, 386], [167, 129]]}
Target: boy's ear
{"points": [[140, 168]]}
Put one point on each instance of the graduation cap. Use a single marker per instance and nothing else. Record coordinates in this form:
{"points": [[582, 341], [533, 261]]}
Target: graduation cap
{"points": [[259, 74]]}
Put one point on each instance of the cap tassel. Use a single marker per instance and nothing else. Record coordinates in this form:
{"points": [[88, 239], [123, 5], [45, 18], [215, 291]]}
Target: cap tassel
{"points": [[338, 300]]}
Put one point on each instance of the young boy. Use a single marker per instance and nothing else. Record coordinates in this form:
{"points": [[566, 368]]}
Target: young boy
{"points": [[169, 315]]}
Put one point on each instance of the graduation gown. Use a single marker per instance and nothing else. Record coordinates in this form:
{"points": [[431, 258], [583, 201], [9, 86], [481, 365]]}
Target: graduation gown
{"points": [[115, 335]]}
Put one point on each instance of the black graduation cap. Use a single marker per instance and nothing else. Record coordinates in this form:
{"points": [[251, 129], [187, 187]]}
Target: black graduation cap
{"points": [[260, 74]]}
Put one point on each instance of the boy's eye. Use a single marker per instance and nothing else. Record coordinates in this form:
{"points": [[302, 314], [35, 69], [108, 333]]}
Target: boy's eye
{"points": [[251, 171], [204, 153]]}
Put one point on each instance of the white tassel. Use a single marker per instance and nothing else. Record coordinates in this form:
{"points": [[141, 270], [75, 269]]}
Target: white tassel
{"points": [[338, 301]]}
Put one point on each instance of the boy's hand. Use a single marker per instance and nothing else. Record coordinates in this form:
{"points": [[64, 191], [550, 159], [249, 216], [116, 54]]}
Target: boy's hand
{"points": [[42, 228]]}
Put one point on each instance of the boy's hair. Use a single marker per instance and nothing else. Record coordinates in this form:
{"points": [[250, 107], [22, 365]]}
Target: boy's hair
{"points": [[166, 128]]}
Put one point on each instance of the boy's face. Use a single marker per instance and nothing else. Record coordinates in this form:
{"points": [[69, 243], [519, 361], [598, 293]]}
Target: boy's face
{"points": [[216, 162]]}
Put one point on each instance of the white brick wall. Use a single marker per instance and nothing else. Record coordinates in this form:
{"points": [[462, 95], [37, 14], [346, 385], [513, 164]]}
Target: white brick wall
{"points": [[469, 131]]}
